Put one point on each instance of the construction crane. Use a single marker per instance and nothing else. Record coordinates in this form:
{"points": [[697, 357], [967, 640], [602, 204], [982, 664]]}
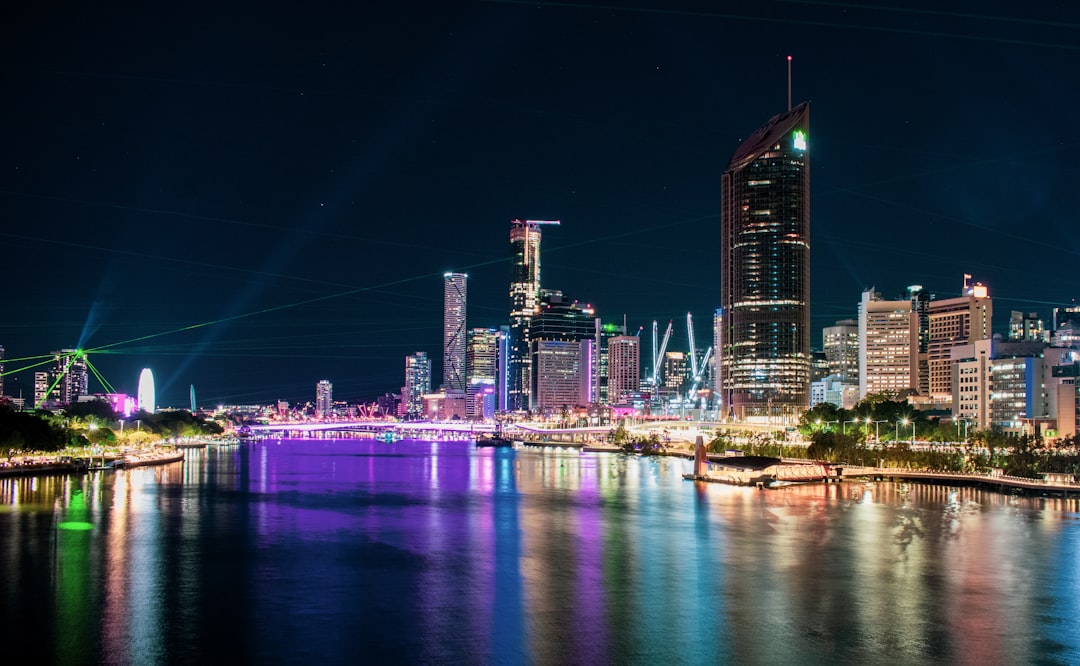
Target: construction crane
{"points": [[532, 222], [693, 351], [657, 357]]}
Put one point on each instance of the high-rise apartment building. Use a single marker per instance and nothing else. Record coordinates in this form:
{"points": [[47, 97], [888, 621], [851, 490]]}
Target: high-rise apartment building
{"points": [[953, 322], [69, 376], [42, 394], [417, 383], [624, 368], [601, 368], [840, 343], [764, 354], [324, 398], [524, 299], [454, 362], [561, 335], [484, 377], [887, 337]]}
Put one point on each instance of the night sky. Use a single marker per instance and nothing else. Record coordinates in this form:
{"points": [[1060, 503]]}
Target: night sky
{"points": [[251, 200]]}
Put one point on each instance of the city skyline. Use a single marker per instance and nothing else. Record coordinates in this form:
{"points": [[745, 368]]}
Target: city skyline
{"points": [[250, 212]]}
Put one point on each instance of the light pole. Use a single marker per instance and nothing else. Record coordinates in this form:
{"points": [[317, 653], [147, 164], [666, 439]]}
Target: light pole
{"points": [[877, 429], [904, 422], [845, 423]]}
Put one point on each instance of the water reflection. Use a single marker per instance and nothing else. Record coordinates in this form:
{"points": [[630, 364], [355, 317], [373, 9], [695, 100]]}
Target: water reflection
{"points": [[347, 550]]}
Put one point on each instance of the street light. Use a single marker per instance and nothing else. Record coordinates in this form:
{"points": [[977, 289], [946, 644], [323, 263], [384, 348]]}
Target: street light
{"points": [[904, 422], [847, 422], [877, 428]]}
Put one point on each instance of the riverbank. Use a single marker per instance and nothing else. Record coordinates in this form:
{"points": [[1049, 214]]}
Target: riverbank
{"points": [[62, 463]]}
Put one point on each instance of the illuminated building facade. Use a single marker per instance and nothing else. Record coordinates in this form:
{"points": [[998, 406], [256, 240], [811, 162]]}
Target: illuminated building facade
{"points": [[764, 352], [324, 398], [417, 384], [624, 368], [840, 343], [454, 363], [483, 379], [561, 334], [147, 397], [524, 298], [601, 366], [1026, 327], [69, 376], [887, 338], [42, 394], [953, 322], [674, 373]]}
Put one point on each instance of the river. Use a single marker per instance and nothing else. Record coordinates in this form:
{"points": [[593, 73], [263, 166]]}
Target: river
{"points": [[356, 551]]}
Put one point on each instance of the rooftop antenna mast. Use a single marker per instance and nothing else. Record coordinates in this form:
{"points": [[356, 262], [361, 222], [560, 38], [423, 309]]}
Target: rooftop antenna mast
{"points": [[789, 83]]}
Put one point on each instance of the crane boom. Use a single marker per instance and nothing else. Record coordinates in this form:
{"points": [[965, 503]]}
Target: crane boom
{"points": [[660, 354], [697, 377], [693, 351], [542, 222]]}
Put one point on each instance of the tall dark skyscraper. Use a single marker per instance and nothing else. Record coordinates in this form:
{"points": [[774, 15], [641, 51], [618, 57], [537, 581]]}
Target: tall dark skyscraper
{"points": [[454, 303], [765, 271], [524, 299]]}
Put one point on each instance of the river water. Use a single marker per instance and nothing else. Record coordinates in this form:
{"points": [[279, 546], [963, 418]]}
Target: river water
{"points": [[354, 551]]}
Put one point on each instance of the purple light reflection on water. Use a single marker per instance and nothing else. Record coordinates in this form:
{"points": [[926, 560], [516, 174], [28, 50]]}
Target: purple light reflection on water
{"points": [[353, 550]]}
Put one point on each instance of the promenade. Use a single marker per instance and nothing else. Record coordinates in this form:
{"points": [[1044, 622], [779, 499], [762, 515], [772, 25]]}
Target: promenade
{"points": [[61, 463]]}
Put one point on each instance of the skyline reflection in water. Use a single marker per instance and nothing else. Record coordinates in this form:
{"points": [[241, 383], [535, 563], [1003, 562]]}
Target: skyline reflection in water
{"points": [[349, 549]]}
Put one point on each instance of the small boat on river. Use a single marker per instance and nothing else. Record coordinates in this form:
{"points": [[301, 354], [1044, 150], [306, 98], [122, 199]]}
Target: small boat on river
{"points": [[493, 439]]}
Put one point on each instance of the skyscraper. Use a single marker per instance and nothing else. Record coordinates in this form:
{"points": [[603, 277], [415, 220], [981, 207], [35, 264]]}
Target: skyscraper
{"points": [[69, 375], [953, 322], [764, 358], [561, 336], [888, 345], [324, 398], [624, 367], [524, 298], [417, 383], [484, 376], [841, 346], [454, 331]]}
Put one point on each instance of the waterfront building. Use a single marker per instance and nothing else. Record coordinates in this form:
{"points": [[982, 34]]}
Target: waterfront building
{"points": [[324, 399], [42, 393], [624, 368], [819, 366], [601, 365], [524, 299], [561, 333], [483, 376], [764, 352], [562, 377], [147, 397], [417, 385], [951, 323], [888, 334], [1001, 384], [920, 308], [717, 337], [454, 306], [840, 342], [69, 376]]}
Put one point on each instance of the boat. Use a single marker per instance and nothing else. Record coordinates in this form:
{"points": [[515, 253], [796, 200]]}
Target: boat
{"points": [[491, 439]]}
